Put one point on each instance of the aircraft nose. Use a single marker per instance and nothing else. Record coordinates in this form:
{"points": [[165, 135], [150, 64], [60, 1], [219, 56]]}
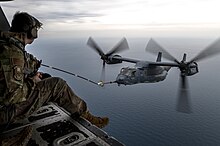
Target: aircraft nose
{"points": [[120, 79]]}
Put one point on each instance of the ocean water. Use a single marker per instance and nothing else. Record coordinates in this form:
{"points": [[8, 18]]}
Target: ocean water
{"points": [[142, 114]]}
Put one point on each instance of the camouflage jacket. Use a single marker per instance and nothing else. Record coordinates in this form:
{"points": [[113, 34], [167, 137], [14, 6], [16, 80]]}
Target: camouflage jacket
{"points": [[16, 68]]}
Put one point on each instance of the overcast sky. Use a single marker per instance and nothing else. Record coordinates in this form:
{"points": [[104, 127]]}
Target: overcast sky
{"points": [[132, 16]]}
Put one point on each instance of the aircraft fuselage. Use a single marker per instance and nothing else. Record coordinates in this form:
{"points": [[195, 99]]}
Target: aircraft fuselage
{"points": [[129, 76]]}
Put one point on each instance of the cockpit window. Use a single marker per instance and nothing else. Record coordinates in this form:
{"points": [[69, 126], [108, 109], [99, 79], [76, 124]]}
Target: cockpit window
{"points": [[123, 70], [128, 71]]}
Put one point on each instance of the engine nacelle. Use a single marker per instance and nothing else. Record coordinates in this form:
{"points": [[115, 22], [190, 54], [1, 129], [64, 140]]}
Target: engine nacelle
{"points": [[192, 69], [114, 59]]}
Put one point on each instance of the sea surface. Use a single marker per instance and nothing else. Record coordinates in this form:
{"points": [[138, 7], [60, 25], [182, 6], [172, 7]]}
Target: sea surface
{"points": [[142, 114]]}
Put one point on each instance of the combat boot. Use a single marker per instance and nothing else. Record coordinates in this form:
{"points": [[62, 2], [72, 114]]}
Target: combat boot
{"points": [[98, 121]]}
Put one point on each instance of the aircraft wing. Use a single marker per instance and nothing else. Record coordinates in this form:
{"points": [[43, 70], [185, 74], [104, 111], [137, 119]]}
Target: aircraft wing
{"points": [[146, 62], [163, 64], [125, 59]]}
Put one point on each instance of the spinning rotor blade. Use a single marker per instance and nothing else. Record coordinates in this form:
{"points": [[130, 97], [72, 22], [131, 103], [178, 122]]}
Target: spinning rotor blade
{"points": [[183, 103], [94, 46], [121, 46], [211, 50], [102, 79], [155, 48]]}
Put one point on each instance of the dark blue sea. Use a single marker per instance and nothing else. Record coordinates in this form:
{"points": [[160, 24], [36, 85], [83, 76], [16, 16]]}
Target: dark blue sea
{"points": [[142, 114]]}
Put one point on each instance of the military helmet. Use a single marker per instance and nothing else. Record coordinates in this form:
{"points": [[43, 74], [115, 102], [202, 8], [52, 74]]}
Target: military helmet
{"points": [[23, 22]]}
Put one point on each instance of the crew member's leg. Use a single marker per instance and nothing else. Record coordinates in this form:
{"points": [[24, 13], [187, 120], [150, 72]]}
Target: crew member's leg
{"points": [[56, 90]]}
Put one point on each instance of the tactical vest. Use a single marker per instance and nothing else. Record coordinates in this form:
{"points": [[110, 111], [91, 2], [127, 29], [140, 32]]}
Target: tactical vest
{"points": [[16, 67]]}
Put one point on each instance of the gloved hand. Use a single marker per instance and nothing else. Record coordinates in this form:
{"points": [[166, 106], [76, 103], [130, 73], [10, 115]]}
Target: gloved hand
{"points": [[38, 64], [42, 75]]}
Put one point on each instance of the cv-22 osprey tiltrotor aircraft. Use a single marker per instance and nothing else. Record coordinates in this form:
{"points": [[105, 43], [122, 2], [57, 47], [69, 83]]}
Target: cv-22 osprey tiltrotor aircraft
{"points": [[148, 71], [151, 72]]}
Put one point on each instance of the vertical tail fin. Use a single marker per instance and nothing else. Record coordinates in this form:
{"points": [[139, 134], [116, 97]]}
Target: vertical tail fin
{"points": [[159, 57]]}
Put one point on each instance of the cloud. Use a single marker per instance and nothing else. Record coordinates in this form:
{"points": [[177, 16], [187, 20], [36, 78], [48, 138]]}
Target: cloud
{"points": [[70, 9], [55, 10], [69, 15]]}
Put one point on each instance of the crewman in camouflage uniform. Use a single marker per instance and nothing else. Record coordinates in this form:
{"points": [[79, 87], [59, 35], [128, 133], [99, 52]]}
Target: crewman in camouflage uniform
{"points": [[22, 89]]}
